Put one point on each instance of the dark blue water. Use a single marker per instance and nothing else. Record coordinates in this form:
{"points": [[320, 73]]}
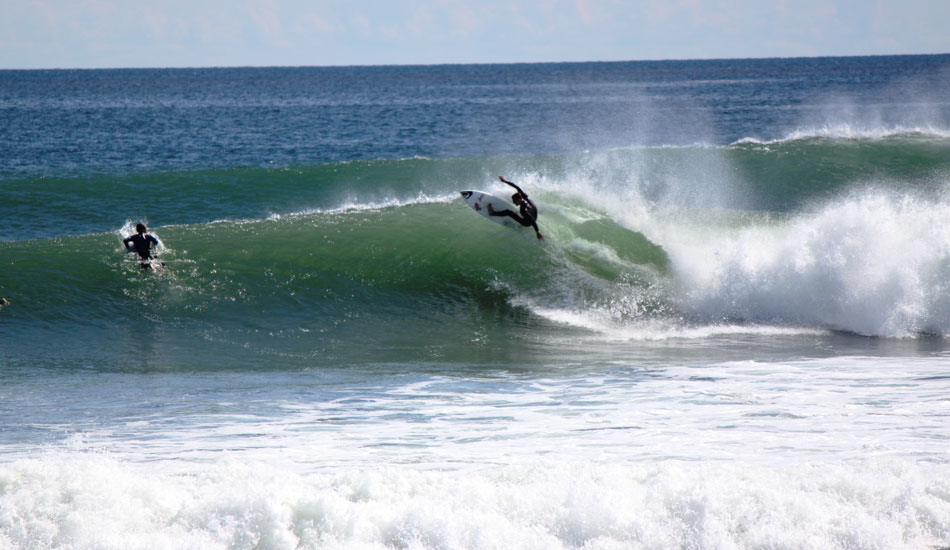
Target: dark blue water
{"points": [[75, 122]]}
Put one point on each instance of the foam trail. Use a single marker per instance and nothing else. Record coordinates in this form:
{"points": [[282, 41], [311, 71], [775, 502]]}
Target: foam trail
{"points": [[354, 205]]}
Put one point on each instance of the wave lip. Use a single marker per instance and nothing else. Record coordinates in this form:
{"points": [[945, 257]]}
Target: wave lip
{"points": [[846, 131]]}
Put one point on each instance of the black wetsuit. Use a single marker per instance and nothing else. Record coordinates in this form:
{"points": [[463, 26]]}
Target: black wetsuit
{"points": [[142, 244], [528, 213]]}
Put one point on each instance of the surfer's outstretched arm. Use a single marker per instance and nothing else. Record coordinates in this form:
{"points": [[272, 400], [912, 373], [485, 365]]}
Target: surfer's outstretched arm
{"points": [[513, 184]]}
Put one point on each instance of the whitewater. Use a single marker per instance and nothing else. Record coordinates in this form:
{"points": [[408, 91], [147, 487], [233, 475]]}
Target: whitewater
{"points": [[734, 334]]}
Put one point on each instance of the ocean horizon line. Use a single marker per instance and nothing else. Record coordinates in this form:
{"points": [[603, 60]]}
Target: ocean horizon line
{"points": [[478, 63]]}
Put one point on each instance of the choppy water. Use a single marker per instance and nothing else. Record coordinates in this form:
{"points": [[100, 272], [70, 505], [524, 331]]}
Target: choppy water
{"points": [[733, 335]]}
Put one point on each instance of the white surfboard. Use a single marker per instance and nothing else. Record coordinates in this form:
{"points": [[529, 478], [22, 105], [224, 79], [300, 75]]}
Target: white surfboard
{"points": [[479, 201]]}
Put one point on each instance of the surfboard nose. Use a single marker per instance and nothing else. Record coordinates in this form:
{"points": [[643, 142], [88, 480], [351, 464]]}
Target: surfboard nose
{"points": [[466, 194]]}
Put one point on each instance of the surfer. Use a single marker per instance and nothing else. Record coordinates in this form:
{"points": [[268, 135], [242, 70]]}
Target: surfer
{"points": [[527, 214], [141, 243], [4, 302]]}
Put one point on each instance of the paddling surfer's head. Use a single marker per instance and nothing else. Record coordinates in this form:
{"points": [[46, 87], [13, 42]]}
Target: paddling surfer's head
{"points": [[141, 229]]}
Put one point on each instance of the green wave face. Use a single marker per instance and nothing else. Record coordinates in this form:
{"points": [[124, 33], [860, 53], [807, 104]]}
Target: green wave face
{"points": [[353, 279], [414, 248]]}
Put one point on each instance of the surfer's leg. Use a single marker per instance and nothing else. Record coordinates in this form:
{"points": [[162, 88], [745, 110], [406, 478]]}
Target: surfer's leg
{"points": [[526, 222], [513, 215]]}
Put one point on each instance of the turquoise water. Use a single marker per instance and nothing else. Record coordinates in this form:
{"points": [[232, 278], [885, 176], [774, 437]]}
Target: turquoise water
{"points": [[732, 336]]}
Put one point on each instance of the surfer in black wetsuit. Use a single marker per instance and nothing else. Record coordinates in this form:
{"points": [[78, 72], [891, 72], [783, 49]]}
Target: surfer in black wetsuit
{"points": [[141, 243], [527, 214]]}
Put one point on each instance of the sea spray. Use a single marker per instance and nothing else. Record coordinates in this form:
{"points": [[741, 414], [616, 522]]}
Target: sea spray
{"points": [[872, 263]]}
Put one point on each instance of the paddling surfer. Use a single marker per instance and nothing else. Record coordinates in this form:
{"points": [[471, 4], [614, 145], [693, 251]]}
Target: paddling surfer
{"points": [[527, 214], [141, 243]]}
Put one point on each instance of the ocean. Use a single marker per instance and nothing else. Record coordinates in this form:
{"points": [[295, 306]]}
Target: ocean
{"points": [[735, 333]]}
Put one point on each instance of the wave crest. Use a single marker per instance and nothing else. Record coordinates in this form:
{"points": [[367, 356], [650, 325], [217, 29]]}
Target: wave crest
{"points": [[875, 264]]}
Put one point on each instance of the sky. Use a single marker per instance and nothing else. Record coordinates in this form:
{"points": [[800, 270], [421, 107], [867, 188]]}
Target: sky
{"points": [[214, 33]]}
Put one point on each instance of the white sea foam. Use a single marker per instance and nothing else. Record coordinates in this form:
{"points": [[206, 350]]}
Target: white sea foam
{"points": [[875, 263], [68, 501], [843, 452]]}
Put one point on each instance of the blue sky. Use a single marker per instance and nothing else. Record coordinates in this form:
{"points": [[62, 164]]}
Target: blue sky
{"points": [[202, 33]]}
